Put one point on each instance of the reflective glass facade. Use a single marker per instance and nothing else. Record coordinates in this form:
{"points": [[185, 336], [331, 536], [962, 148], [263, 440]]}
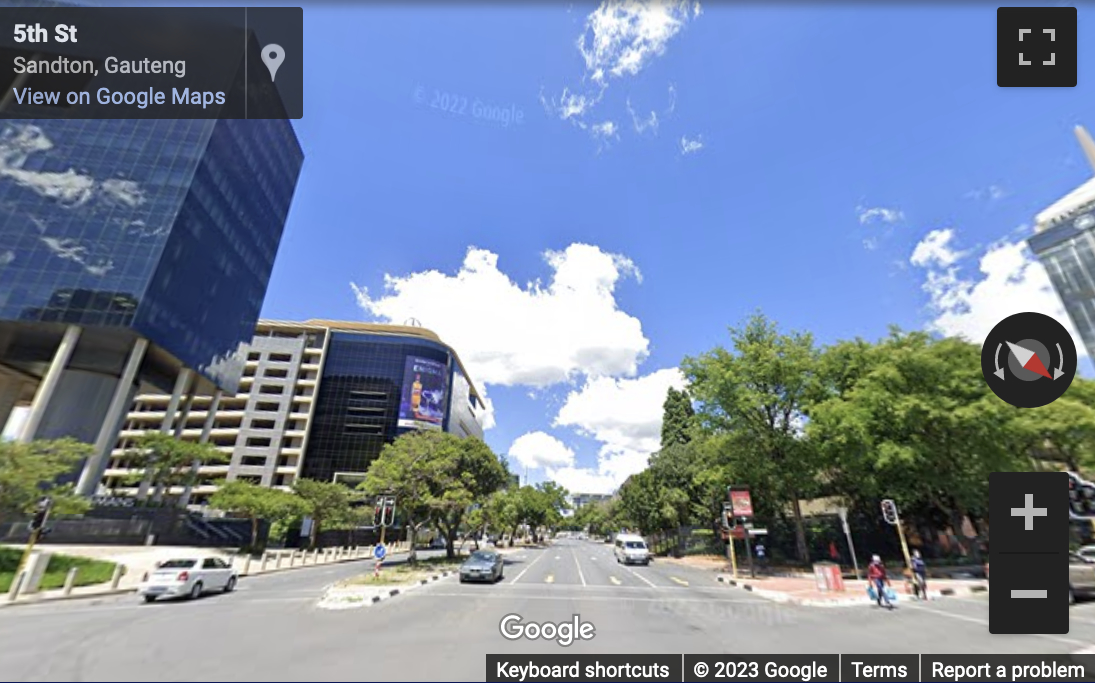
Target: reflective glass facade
{"points": [[166, 227], [358, 402], [1067, 251]]}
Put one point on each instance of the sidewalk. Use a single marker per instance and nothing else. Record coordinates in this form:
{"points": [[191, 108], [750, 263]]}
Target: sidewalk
{"points": [[271, 561], [804, 591]]}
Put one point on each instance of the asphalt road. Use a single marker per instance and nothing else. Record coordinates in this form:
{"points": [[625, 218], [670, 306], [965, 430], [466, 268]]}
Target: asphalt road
{"points": [[271, 629]]}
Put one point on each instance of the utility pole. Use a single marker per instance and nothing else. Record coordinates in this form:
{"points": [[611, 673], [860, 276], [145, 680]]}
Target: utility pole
{"points": [[843, 512]]}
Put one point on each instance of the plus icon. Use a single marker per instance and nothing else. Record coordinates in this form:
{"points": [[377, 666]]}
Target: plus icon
{"points": [[1036, 47], [1029, 512]]}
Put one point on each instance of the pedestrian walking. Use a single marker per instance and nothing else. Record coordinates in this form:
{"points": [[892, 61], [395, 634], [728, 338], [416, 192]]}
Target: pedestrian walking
{"points": [[920, 576], [879, 580]]}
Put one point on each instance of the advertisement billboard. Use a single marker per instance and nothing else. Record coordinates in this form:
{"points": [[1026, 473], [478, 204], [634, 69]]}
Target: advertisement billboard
{"points": [[741, 502], [422, 405]]}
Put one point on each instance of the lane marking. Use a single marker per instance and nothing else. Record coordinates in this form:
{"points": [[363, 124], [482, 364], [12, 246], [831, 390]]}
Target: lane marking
{"points": [[550, 578], [579, 566], [679, 581], [615, 581], [985, 623], [522, 573], [639, 576], [557, 557]]}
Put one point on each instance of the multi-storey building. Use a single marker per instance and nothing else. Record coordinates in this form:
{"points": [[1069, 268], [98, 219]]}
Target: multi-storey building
{"points": [[577, 500], [318, 399], [1064, 242]]}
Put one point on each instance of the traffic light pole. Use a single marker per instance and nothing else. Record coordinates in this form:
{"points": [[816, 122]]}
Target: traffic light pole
{"points": [[904, 545], [26, 553]]}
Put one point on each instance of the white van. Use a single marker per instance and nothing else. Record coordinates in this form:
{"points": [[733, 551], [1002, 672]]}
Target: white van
{"points": [[631, 549]]}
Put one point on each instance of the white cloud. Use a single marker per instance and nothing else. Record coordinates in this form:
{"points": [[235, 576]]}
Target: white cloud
{"points": [[620, 39], [691, 146], [606, 130], [990, 193], [642, 124], [870, 244], [534, 335], [6, 257], [71, 250], [878, 214], [625, 416], [538, 450], [1010, 280], [935, 250]]}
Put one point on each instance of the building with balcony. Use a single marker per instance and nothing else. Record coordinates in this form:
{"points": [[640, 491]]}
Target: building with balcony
{"points": [[317, 399]]}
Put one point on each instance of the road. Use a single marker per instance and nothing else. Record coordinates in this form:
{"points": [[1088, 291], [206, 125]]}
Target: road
{"points": [[271, 629]]}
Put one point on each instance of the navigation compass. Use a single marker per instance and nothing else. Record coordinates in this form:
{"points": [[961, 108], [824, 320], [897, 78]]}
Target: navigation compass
{"points": [[1021, 347]]}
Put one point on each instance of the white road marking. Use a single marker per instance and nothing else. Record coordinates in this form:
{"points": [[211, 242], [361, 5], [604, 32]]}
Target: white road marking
{"points": [[550, 578], [522, 573], [985, 623], [614, 580], [557, 557], [579, 566], [678, 581], [639, 576]]}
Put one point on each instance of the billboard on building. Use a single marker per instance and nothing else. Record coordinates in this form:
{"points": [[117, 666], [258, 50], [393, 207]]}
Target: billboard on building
{"points": [[423, 402]]}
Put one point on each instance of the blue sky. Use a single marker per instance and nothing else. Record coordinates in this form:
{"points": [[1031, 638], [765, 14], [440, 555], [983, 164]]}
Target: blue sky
{"points": [[840, 168]]}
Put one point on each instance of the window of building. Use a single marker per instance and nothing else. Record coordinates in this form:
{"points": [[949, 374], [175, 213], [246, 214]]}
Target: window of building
{"points": [[280, 357], [272, 389], [262, 424], [251, 480], [267, 406], [254, 355], [278, 373], [358, 428], [257, 442], [253, 461]]}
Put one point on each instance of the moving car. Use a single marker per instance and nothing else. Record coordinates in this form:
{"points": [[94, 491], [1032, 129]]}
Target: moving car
{"points": [[188, 577], [1081, 577], [631, 549], [483, 565]]}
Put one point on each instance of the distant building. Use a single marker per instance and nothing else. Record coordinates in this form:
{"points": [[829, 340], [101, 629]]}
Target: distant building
{"points": [[318, 399], [577, 500], [1064, 242]]}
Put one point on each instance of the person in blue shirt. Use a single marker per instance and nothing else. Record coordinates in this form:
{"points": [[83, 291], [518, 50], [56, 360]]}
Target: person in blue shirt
{"points": [[920, 575]]}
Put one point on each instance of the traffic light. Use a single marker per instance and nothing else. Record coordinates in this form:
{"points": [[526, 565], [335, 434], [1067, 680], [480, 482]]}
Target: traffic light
{"points": [[41, 514], [378, 513], [389, 512], [889, 511], [728, 519]]}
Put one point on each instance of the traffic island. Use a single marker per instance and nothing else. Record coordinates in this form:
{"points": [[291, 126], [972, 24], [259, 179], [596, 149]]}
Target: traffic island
{"points": [[394, 579], [805, 591]]}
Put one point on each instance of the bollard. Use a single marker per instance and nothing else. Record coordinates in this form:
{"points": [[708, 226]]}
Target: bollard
{"points": [[119, 570], [262, 567], [315, 558], [277, 561], [247, 564], [292, 557], [16, 586], [70, 580]]}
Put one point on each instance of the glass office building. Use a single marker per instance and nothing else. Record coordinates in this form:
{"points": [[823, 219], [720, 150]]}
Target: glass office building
{"points": [[378, 383], [1064, 242], [132, 253]]}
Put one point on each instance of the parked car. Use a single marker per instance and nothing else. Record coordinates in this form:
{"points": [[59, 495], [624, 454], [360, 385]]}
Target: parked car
{"points": [[1081, 577], [188, 578], [483, 565], [1087, 551], [631, 549]]}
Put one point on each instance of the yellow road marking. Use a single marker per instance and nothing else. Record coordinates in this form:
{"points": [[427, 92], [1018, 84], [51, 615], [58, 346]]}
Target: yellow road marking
{"points": [[614, 580], [680, 581]]}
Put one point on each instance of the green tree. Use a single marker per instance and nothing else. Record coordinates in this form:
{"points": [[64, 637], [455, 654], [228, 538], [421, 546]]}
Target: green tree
{"points": [[257, 503], [471, 476], [29, 471], [327, 503], [168, 462], [759, 393], [678, 418]]}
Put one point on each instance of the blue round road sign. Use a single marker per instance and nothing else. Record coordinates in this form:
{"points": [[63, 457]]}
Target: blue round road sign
{"points": [[379, 552]]}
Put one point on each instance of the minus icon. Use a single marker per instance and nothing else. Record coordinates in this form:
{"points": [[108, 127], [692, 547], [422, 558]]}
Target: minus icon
{"points": [[1030, 594]]}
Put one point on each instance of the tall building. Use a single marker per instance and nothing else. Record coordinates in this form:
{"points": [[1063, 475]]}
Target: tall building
{"points": [[577, 500], [1065, 244], [134, 256], [318, 399]]}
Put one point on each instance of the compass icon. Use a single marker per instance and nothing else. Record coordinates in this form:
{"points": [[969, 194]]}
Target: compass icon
{"points": [[1029, 360]]}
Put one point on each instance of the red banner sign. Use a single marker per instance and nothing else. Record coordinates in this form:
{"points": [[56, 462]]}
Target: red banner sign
{"points": [[741, 502]]}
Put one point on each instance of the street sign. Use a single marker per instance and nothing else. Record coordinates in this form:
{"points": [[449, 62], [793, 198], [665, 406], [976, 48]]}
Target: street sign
{"points": [[738, 533], [380, 551], [758, 532], [741, 501]]}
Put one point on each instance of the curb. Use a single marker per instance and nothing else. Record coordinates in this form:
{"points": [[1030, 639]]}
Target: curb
{"points": [[781, 597], [41, 600], [391, 593]]}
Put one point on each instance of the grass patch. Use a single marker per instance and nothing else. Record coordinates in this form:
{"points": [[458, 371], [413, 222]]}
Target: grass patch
{"points": [[90, 572], [406, 574]]}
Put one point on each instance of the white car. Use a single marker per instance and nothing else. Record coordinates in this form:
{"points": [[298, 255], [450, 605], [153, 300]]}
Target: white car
{"points": [[188, 577], [631, 549]]}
